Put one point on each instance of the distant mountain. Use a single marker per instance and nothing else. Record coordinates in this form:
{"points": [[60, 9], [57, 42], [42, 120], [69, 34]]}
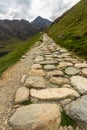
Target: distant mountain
{"points": [[41, 23], [16, 28]]}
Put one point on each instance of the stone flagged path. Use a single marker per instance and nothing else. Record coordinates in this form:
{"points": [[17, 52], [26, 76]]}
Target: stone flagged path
{"points": [[56, 80]]}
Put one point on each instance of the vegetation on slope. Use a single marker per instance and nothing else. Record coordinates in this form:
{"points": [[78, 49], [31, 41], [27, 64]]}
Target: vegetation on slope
{"points": [[20, 49], [70, 30]]}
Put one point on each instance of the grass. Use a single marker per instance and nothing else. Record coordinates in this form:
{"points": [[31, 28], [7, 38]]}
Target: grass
{"points": [[14, 56], [70, 30], [66, 120], [27, 103]]}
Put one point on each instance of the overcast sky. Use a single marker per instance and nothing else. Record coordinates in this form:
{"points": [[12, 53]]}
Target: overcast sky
{"points": [[29, 9]]}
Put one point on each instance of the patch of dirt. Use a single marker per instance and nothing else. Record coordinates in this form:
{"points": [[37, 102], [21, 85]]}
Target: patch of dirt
{"points": [[9, 83]]}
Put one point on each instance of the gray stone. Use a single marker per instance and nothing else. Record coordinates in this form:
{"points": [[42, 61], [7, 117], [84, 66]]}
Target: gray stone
{"points": [[80, 84], [39, 58], [78, 111], [36, 117], [71, 71], [49, 67], [35, 82], [54, 93], [47, 62], [22, 94]]}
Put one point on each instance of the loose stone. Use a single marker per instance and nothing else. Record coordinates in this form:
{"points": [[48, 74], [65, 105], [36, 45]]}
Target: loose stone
{"points": [[36, 66], [72, 71], [84, 71], [64, 64], [49, 67], [79, 83], [35, 82], [55, 73], [78, 111], [22, 94], [81, 65], [59, 80], [34, 72], [36, 117]]}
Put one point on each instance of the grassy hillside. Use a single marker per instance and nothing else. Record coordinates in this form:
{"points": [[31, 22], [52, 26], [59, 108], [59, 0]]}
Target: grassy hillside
{"points": [[20, 48], [70, 30]]}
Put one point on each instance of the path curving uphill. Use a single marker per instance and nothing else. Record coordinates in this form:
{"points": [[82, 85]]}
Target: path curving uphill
{"points": [[47, 81]]}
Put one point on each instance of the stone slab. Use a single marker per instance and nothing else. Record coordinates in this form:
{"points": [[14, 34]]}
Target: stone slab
{"points": [[54, 93]]}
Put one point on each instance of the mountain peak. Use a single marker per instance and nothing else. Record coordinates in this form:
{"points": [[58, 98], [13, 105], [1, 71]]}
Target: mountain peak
{"points": [[41, 23]]}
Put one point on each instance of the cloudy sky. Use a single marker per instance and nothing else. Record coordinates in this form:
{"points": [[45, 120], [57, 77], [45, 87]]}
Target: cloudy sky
{"points": [[29, 9]]}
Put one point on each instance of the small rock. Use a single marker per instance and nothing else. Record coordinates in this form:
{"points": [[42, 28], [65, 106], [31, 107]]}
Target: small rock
{"points": [[59, 80], [55, 73], [64, 64], [22, 94], [81, 65], [49, 67], [39, 58], [35, 82], [36, 117], [70, 128], [71, 71], [79, 83], [47, 62], [24, 77], [36, 66], [36, 72], [84, 71]]}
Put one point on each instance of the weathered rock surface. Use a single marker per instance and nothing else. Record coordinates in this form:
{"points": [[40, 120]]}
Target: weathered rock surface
{"points": [[54, 93], [55, 73], [71, 71], [59, 80], [23, 79], [37, 72], [78, 111], [47, 62], [49, 67], [35, 82], [22, 94], [36, 117], [79, 83], [64, 64], [81, 65], [36, 66], [84, 71]]}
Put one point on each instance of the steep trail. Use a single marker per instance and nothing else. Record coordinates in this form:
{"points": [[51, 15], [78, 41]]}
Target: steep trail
{"points": [[55, 66]]}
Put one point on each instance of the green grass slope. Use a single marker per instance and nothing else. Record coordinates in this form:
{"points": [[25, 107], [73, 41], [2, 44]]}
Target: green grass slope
{"points": [[19, 49], [70, 30]]}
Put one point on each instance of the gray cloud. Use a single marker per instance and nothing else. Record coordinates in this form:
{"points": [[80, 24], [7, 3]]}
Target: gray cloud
{"points": [[29, 9]]}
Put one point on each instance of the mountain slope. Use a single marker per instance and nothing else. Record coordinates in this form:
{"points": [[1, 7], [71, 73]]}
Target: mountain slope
{"points": [[21, 29], [70, 30], [41, 23]]}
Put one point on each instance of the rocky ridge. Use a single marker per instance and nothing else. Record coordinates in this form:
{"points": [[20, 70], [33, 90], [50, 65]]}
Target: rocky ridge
{"points": [[56, 81]]}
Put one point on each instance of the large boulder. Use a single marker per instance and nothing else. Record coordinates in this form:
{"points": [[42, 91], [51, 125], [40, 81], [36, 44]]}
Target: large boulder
{"points": [[79, 83], [36, 117], [77, 110]]}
